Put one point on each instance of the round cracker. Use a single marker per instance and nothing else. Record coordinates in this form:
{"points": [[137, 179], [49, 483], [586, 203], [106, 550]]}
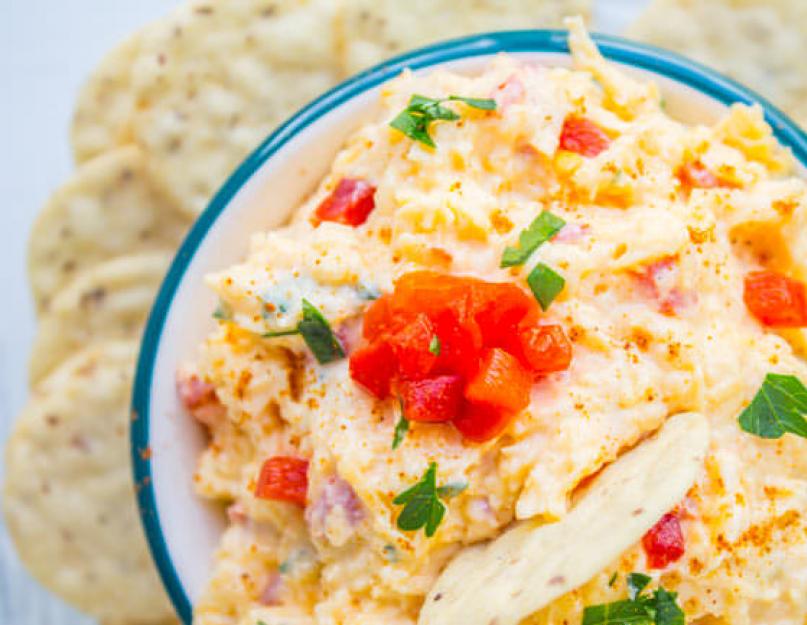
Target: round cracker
{"points": [[102, 119], [69, 499], [761, 43], [214, 78], [109, 207], [108, 301], [374, 30]]}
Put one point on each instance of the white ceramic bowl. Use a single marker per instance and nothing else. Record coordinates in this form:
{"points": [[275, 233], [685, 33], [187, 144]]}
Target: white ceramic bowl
{"points": [[181, 528]]}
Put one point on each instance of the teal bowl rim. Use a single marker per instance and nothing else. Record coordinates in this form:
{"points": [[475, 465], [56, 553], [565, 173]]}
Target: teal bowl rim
{"points": [[641, 56]]}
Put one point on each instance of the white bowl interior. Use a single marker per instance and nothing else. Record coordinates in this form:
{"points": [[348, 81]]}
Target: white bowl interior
{"points": [[191, 527]]}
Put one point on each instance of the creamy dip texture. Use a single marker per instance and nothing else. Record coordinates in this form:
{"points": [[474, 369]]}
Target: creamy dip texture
{"points": [[671, 261]]}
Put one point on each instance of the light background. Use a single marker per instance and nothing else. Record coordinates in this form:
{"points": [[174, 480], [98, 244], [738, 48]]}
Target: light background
{"points": [[47, 48]]}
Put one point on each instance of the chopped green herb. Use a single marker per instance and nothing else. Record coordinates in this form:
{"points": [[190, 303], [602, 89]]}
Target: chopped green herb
{"points": [[658, 608], [541, 230], [452, 489], [483, 104], [318, 336], [316, 333], [637, 582], [260, 623], [422, 507], [434, 345], [401, 428], [285, 567], [779, 406], [415, 119], [223, 312], [545, 283], [612, 581]]}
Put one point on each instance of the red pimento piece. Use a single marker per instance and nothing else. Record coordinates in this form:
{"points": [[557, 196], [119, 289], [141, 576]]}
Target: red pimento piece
{"points": [[432, 400], [776, 300], [374, 367], [457, 349], [501, 382], [350, 203], [694, 174], [411, 344], [378, 318], [664, 542], [583, 136], [544, 349], [283, 478], [479, 423]]}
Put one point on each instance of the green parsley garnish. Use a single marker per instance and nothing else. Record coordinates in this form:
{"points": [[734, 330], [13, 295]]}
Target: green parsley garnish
{"points": [[422, 505], [612, 580], [779, 406], [545, 283], [656, 608], [415, 119], [316, 333], [452, 489], [434, 345], [541, 230], [223, 312], [401, 428]]}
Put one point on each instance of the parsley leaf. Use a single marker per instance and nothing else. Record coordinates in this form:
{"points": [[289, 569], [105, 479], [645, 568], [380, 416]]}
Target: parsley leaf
{"points": [[637, 582], [422, 507], [483, 104], [659, 608], [401, 428], [667, 610], [545, 284], [434, 345], [779, 406], [415, 119], [541, 230], [624, 612], [316, 333], [452, 489]]}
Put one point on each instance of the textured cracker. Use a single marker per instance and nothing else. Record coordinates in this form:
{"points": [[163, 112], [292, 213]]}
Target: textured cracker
{"points": [[108, 301], [214, 78], [374, 30], [761, 43], [108, 208], [69, 498]]}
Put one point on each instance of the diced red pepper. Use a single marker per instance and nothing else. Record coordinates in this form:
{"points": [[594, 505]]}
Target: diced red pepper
{"points": [[544, 349], [480, 423], [378, 318], [350, 203], [664, 542], [411, 344], [694, 174], [374, 367], [583, 136], [283, 478], [501, 382], [776, 300], [432, 400], [498, 308]]}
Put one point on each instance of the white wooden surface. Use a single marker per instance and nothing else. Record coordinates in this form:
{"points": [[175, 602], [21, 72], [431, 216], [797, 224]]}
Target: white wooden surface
{"points": [[47, 48]]}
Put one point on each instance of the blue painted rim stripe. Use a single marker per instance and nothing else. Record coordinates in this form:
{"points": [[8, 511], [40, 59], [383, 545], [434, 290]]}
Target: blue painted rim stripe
{"points": [[616, 49]]}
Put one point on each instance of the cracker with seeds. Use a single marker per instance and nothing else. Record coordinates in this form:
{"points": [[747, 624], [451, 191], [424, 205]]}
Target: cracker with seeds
{"points": [[108, 301], [69, 499], [108, 208], [215, 78], [760, 43], [102, 118], [374, 30]]}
